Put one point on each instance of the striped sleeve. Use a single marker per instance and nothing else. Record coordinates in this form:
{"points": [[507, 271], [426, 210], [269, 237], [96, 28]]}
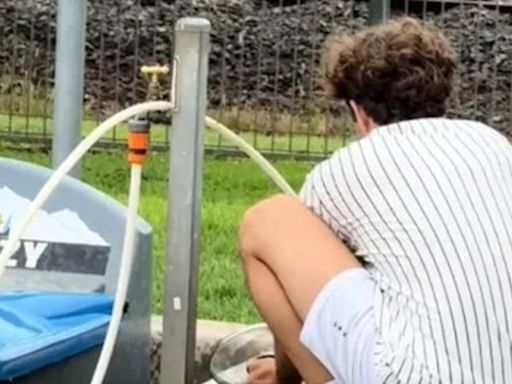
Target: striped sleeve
{"points": [[317, 194]]}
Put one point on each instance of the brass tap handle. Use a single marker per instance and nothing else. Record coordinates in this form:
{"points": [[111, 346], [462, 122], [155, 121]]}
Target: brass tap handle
{"points": [[153, 74]]}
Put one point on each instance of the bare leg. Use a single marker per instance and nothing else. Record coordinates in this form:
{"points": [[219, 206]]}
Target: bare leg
{"points": [[286, 371], [284, 323], [289, 255]]}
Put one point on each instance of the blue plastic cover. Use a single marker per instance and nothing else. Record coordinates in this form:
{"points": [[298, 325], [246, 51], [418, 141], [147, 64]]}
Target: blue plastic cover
{"points": [[39, 329]]}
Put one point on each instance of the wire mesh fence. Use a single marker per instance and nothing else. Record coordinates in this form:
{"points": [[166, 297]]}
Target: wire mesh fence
{"points": [[263, 80]]}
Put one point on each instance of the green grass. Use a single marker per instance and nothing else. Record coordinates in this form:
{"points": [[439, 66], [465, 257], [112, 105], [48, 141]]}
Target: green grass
{"points": [[230, 187], [262, 139]]}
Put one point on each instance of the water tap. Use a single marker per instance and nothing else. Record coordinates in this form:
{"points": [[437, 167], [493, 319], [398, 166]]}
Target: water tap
{"points": [[153, 75]]}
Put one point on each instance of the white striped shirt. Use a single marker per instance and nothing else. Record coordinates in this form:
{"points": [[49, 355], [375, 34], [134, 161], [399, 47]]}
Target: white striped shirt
{"points": [[428, 204]]}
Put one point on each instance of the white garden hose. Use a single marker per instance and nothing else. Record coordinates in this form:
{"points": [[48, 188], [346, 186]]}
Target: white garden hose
{"points": [[84, 146], [124, 276], [252, 153], [59, 174], [128, 246]]}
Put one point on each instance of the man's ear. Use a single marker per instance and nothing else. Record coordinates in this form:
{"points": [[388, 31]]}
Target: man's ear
{"points": [[365, 124]]}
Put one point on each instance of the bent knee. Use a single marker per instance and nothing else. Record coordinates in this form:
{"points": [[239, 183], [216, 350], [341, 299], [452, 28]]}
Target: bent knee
{"points": [[256, 226]]}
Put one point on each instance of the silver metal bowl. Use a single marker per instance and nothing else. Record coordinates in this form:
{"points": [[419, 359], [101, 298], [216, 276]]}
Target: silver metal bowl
{"points": [[228, 364]]}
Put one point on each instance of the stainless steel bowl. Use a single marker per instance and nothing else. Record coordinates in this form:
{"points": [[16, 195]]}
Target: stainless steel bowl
{"points": [[228, 364]]}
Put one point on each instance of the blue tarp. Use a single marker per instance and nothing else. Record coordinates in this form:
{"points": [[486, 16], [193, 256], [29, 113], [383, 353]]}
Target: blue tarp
{"points": [[39, 329]]}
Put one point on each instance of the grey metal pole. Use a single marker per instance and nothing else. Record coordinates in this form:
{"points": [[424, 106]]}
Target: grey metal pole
{"points": [[379, 11], [69, 79], [192, 44]]}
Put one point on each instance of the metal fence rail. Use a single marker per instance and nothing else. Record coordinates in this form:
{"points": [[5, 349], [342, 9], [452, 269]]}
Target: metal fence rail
{"points": [[263, 79]]}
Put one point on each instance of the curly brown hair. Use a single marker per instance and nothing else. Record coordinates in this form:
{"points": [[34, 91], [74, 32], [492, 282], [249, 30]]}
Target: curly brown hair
{"points": [[400, 70]]}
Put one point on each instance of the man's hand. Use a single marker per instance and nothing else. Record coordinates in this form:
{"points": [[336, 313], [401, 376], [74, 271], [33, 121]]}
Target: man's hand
{"points": [[262, 371], [273, 370]]}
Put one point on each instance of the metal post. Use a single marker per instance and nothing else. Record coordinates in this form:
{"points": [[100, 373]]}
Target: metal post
{"points": [[379, 11], [192, 43], [69, 79]]}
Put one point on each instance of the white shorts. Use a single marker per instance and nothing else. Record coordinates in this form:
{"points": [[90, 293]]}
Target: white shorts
{"points": [[340, 328]]}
